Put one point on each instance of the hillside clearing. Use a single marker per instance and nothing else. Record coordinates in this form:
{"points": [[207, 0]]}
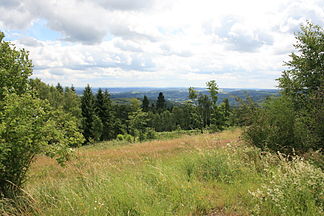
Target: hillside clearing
{"points": [[205, 174]]}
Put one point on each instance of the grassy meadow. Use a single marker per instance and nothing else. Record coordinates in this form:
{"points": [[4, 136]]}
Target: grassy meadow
{"points": [[202, 174]]}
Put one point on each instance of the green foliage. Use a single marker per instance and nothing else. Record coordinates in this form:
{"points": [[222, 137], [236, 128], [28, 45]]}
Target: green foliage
{"points": [[120, 137], [47, 92], [138, 125], [90, 121], [186, 116], [137, 122], [213, 90], [129, 138], [243, 113], [28, 126], [160, 103], [273, 127], [164, 121], [304, 80], [105, 113], [68, 100], [145, 104], [192, 93], [126, 137], [226, 108], [205, 109], [121, 121], [15, 68], [59, 88], [208, 114], [96, 129], [150, 133], [295, 122], [277, 126], [72, 104]]}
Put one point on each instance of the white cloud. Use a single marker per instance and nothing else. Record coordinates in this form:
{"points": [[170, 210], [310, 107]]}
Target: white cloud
{"points": [[164, 43], [126, 4]]}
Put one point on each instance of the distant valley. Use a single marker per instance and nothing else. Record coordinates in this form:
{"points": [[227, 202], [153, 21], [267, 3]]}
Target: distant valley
{"points": [[179, 95]]}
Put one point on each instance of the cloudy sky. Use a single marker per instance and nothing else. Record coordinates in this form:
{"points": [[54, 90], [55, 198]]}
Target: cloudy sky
{"points": [[158, 43]]}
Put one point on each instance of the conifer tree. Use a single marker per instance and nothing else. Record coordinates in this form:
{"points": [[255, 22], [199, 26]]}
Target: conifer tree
{"points": [[145, 104], [88, 114], [227, 108], [105, 113], [72, 88], [59, 87], [160, 103]]}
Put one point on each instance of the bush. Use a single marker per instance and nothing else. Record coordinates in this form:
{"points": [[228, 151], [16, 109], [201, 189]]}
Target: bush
{"points": [[120, 137], [129, 138], [28, 126], [150, 133], [278, 127]]}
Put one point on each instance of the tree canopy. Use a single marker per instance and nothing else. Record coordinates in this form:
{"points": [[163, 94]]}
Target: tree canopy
{"points": [[29, 125]]}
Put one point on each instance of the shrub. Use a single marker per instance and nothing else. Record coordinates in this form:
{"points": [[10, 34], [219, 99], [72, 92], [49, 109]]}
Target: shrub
{"points": [[129, 138], [28, 126], [150, 133], [267, 123], [120, 137], [278, 127]]}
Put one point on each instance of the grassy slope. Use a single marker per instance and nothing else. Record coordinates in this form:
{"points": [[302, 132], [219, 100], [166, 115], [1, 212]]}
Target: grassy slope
{"points": [[206, 174], [143, 178]]}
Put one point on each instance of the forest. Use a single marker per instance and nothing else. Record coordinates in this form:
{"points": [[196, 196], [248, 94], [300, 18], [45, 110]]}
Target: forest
{"points": [[37, 119]]}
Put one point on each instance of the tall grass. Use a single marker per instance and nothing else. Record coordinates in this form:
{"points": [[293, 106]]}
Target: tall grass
{"points": [[295, 188], [197, 175]]}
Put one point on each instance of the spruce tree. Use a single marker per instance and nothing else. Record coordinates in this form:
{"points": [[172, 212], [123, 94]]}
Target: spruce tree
{"points": [[105, 113], [88, 114], [59, 87], [145, 104], [72, 88], [160, 103], [227, 108]]}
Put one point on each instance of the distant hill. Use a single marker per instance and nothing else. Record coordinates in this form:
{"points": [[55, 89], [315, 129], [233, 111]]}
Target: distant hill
{"points": [[179, 95]]}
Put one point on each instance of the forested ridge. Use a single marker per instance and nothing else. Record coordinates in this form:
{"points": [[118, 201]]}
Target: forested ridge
{"points": [[40, 119]]}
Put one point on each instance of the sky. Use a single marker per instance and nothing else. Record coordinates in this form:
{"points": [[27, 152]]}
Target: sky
{"points": [[155, 43]]}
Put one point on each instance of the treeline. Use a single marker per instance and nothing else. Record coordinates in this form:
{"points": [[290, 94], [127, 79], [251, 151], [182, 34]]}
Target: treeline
{"points": [[99, 119]]}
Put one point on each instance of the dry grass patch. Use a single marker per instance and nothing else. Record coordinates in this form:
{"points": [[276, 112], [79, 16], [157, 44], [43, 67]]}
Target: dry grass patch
{"points": [[91, 158]]}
